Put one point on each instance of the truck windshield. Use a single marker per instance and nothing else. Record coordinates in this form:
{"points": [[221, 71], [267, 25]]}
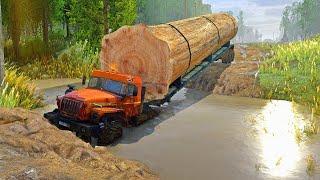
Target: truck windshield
{"points": [[112, 86]]}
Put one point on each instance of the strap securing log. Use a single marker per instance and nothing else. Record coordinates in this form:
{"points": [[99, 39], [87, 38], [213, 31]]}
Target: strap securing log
{"points": [[187, 43], [235, 29], [219, 40]]}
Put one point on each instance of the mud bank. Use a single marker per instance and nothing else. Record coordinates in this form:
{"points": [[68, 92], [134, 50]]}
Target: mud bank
{"points": [[241, 77], [31, 148]]}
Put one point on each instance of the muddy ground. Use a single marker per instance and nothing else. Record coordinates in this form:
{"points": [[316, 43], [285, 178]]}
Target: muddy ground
{"points": [[239, 78], [39, 150], [31, 148]]}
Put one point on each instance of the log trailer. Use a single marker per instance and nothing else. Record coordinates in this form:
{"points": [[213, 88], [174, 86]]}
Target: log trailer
{"points": [[115, 100], [142, 66]]}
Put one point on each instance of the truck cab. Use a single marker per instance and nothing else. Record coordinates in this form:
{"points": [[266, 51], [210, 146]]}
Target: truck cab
{"points": [[107, 93], [111, 100]]}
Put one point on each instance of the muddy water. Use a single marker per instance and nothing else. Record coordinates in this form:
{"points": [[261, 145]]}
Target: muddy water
{"points": [[222, 138]]}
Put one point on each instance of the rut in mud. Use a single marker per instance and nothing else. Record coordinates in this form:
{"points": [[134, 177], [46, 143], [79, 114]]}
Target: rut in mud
{"points": [[240, 78], [40, 150]]}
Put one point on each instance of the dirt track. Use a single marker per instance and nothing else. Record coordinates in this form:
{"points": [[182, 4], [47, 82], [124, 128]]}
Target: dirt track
{"points": [[31, 148]]}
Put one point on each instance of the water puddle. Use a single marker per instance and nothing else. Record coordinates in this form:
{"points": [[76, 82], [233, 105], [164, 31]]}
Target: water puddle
{"points": [[225, 138]]}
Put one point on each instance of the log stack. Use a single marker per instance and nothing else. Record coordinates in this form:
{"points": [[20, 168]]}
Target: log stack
{"points": [[163, 53]]}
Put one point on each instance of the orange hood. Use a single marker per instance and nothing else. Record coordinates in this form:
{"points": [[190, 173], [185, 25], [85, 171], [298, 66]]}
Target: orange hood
{"points": [[92, 95]]}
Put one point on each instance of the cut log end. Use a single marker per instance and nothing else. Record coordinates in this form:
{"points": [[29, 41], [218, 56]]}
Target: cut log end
{"points": [[136, 51]]}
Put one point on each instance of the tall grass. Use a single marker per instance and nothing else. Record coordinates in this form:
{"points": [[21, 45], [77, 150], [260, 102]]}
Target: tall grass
{"points": [[293, 73], [17, 91], [74, 62]]}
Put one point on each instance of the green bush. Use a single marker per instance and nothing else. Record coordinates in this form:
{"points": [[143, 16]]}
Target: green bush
{"points": [[17, 91]]}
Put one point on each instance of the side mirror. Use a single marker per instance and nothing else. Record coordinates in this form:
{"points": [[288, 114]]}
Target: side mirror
{"points": [[70, 89], [135, 91], [84, 79]]}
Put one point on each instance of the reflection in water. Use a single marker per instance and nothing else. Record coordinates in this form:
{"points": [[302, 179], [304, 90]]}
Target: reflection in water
{"points": [[280, 151]]}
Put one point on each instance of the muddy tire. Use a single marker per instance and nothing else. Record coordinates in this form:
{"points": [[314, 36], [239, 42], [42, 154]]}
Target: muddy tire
{"points": [[112, 131], [228, 57], [135, 122]]}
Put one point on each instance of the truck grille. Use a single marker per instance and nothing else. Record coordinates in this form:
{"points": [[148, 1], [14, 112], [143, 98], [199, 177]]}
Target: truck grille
{"points": [[71, 107]]}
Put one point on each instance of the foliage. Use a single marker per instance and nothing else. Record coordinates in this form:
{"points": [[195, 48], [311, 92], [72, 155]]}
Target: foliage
{"points": [[74, 62], [301, 20], [26, 17], [122, 12], [87, 18], [311, 164], [17, 91], [293, 73], [31, 48], [162, 11]]}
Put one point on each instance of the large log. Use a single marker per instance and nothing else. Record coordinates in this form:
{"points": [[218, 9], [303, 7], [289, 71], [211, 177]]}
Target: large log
{"points": [[163, 53]]}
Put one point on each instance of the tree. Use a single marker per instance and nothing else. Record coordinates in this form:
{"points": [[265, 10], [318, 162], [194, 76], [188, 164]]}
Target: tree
{"points": [[16, 22], [122, 12], [92, 19], [66, 16], [141, 11], [301, 20], [241, 26], [86, 19], [105, 14], [1, 49], [45, 22], [163, 11]]}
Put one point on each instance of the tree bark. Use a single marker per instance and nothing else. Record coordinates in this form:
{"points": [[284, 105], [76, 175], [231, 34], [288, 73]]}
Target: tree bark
{"points": [[66, 17], [68, 27], [45, 24], [162, 54], [1, 49], [15, 28], [105, 15]]}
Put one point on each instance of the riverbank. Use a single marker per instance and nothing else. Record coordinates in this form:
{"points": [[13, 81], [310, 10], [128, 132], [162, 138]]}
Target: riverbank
{"points": [[40, 150]]}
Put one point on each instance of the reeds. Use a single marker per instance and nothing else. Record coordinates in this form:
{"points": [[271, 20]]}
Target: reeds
{"points": [[17, 91], [293, 73]]}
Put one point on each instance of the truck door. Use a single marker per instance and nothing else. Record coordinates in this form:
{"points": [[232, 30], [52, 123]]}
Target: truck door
{"points": [[130, 103]]}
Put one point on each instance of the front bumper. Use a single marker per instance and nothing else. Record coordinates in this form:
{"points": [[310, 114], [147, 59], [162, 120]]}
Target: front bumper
{"points": [[80, 128]]}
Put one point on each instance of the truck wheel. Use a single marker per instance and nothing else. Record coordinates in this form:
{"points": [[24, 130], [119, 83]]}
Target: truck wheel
{"points": [[228, 57], [111, 131], [135, 122]]}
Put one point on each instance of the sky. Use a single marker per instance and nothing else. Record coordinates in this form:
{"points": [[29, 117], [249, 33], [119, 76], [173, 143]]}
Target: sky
{"points": [[264, 15]]}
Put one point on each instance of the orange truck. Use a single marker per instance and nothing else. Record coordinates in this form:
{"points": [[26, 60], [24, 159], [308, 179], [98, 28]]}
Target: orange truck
{"points": [[112, 100]]}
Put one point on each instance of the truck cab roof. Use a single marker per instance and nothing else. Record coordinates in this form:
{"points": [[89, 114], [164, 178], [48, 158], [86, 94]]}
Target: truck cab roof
{"points": [[126, 78]]}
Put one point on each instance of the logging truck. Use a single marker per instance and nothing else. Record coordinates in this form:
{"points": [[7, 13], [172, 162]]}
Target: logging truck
{"points": [[142, 67]]}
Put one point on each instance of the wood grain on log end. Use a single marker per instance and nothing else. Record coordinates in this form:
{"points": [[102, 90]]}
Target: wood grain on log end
{"points": [[136, 51]]}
